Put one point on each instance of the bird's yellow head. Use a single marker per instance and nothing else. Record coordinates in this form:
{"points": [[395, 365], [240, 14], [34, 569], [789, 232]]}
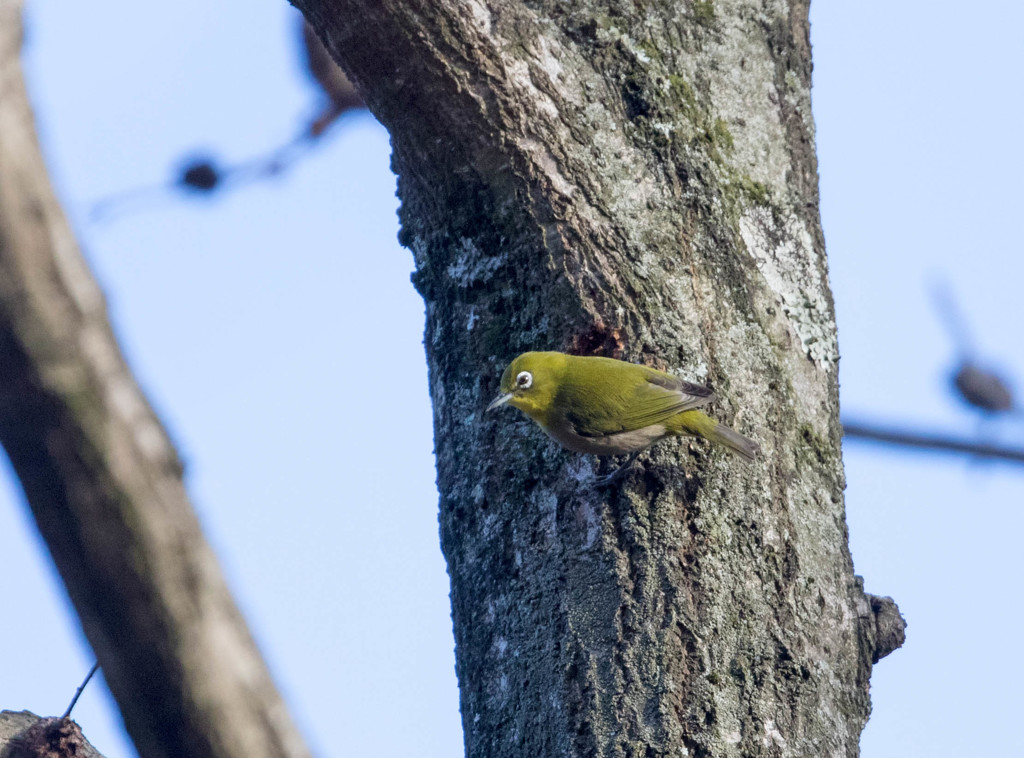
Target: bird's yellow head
{"points": [[530, 384]]}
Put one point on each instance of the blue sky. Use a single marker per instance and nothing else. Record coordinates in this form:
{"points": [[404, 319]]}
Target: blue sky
{"points": [[276, 330]]}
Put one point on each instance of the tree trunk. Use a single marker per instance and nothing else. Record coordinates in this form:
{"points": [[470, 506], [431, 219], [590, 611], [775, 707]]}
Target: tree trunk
{"points": [[635, 180]]}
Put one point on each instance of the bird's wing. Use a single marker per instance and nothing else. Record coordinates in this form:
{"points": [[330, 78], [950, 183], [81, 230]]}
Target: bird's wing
{"points": [[650, 398]]}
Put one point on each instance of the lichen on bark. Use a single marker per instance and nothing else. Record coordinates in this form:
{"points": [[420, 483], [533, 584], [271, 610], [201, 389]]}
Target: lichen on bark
{"points": [[633, 180]]}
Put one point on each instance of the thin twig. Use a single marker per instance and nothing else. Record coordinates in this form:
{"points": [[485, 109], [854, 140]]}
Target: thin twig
{"points": [[78, 692], [931, 441]]}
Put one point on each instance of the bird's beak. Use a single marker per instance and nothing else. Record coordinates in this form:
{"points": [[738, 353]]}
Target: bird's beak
{"points": [[499, 401]]}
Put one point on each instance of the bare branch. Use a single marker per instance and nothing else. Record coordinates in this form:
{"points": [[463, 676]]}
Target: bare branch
{"points": [[81, 689], [930, 441]]}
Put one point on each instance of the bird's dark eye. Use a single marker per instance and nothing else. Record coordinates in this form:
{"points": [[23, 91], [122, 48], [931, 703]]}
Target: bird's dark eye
{"points": [[524, 379]]}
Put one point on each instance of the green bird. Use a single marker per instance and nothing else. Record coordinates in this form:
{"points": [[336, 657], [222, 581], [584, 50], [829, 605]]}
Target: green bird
{"points": [[607, 407]]}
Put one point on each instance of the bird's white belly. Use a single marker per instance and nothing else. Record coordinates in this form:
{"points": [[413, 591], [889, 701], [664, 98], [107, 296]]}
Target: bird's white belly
{"points": [[612, 444]]}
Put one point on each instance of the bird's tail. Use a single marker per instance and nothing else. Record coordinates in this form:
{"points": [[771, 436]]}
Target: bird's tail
{"points": [[735, 441], [700, 425]]}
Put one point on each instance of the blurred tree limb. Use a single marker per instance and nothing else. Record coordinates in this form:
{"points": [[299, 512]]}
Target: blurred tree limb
{"points": [[930, 441], [105, 484]]}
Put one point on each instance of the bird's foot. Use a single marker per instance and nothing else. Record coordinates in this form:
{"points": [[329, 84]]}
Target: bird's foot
{"points": [[617, 474]]}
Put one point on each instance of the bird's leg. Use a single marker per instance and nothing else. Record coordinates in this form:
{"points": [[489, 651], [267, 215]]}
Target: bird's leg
{"points": [[617, 474]]}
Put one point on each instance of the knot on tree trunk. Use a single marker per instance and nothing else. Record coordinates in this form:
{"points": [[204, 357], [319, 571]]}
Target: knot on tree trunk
{"points": [[883, 625]]}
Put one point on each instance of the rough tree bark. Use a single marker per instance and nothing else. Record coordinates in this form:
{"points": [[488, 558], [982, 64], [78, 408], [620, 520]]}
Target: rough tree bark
{"points": [[25, 735], [635, 180], [104, 483]]}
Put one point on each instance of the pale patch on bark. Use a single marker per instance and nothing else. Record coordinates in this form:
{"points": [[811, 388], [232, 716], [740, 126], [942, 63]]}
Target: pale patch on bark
{"points": [[781, 253]]}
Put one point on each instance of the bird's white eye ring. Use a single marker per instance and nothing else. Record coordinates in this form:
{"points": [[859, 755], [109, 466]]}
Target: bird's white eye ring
{"points": [[524, 380]]}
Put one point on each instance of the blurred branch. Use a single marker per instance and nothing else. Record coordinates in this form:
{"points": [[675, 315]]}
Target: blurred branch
{"points": [[334, 83], [104, 483], [204, 175], [976, 385], [930, 441], [952, 319]]}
